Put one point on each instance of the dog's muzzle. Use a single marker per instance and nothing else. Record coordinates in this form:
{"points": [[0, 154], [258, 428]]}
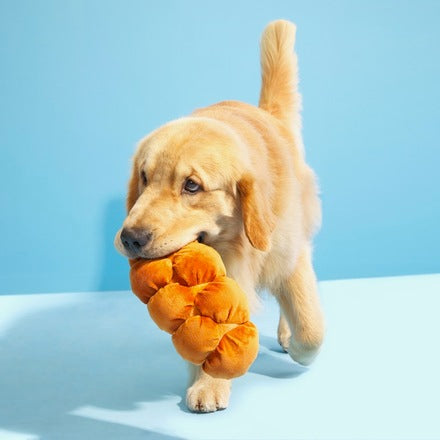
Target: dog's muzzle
{"points": [[134, 240]]}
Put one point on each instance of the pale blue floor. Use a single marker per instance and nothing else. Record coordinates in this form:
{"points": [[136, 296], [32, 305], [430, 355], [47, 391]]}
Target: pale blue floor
{"points": [[93, 366]]}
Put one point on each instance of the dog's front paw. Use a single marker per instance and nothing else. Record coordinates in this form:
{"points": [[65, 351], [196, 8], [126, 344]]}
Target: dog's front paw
{"points": [[208, 395]]}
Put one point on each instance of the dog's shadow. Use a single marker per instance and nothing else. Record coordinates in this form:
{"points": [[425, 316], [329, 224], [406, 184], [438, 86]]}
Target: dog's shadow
{"points": [[272, 361], [100, 350], [112, 274]]}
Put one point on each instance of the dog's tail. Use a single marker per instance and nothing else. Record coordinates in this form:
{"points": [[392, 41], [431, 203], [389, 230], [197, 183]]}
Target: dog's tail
{"points": [[279, 70]]}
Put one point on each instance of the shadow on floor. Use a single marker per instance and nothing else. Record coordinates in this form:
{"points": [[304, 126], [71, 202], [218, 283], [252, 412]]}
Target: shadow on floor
{"points": [[102, 351], [95, 353], [272, 361]]}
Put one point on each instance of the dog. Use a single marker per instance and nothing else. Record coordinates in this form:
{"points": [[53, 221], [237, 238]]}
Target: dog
{"points": [[234, 177]]}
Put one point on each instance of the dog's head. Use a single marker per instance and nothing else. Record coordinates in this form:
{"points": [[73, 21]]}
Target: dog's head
{"points": [[191, 180]]}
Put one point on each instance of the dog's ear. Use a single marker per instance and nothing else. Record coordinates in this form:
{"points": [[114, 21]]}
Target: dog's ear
{"points": [[258, 218], [133, 189]]}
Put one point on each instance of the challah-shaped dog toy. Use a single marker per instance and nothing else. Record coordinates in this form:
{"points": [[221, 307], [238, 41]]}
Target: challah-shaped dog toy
{"points": [[207, 313]]}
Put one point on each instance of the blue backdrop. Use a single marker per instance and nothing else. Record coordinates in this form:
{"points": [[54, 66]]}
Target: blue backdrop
{"points": [[82, 81]]}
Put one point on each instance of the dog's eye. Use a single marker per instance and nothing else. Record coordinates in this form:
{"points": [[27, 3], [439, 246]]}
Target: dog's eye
{"points": [[191, 186], [144, 178]]}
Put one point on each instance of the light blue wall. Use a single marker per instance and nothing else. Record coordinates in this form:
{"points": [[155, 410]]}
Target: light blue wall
{"points": [[81, 81]]}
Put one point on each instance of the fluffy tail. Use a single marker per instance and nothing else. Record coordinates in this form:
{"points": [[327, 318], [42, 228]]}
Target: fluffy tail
{"points": [[279, 70]]}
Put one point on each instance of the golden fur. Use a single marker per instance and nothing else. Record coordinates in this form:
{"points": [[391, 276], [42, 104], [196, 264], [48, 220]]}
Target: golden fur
{"points": [[258, 204]]}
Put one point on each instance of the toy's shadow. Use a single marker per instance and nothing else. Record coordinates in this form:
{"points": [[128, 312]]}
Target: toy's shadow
{"points": [[97, 351]]}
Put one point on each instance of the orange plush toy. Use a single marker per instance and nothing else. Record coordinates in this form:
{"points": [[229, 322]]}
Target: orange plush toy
{"points": [[189, 296]]}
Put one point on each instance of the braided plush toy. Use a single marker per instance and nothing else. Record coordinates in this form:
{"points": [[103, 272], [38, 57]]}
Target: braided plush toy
{"points": [[189, 296]]}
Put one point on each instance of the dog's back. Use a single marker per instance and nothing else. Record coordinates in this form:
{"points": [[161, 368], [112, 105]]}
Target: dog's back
{"points": [[271, 135]]}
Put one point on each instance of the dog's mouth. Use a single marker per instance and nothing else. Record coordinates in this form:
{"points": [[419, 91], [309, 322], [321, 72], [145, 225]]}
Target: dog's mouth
{"points": [[201, 237]]}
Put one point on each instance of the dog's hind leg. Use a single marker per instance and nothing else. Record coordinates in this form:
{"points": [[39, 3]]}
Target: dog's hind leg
{"points": [[300, 307], [284, 332]]}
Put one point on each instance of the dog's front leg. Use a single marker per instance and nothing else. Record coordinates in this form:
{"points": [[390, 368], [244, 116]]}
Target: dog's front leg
{"points": [[206, 393]]}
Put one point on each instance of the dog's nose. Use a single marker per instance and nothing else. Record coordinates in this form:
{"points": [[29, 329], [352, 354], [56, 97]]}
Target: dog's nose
{"points": [[134, 239]]}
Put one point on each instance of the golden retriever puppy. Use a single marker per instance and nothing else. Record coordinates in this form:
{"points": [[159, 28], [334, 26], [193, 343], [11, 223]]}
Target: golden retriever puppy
{"points": [[234, 176]]}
